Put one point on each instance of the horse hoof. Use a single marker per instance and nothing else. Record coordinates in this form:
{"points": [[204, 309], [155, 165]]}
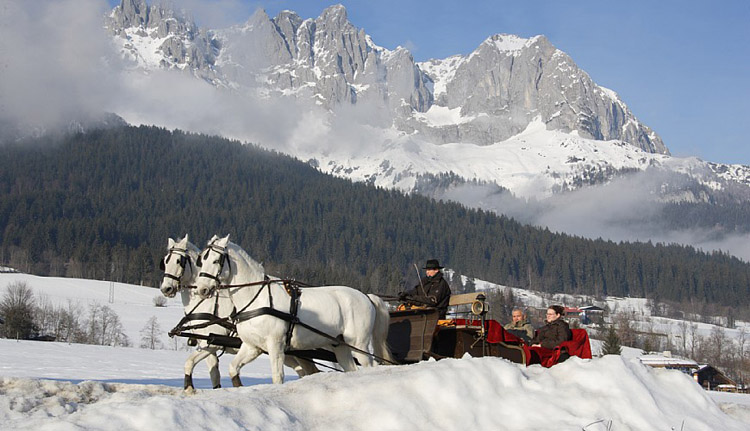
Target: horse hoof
{"points": [[190, 391], [236, 382]]}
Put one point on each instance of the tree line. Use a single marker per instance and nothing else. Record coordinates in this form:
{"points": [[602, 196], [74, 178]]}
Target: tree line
{"points": [[102, 204]]}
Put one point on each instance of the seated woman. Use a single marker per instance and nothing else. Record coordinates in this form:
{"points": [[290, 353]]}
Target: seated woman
{"points": [[554, 332]]}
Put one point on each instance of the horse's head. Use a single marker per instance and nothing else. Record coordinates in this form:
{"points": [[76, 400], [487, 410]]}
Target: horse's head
{"points": [[215, 266], [177, 266]]}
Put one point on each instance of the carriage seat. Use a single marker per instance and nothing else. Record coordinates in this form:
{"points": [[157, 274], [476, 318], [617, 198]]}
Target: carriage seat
{"points": [[464, 298]]}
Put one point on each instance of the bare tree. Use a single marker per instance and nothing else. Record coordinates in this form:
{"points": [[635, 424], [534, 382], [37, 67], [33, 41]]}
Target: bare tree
{"points": [[683, 326], [104, 327], [19, 259], [624, 326], [719, 347], [151, 335], [695, 340], [74, 268], [69, 326], [45, 315]]}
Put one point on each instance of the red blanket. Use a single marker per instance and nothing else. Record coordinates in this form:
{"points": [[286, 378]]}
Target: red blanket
{"points": [[578, 346]]}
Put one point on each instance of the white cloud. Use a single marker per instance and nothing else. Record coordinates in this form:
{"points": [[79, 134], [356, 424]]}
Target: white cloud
{"points": [[56, 61], [624, 210]]}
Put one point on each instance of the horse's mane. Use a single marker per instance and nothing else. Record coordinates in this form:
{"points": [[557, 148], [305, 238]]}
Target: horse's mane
{"points": [[255, 265]]}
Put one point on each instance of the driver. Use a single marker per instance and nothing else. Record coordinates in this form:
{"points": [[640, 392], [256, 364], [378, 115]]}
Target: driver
{"points": [[432, 289]]}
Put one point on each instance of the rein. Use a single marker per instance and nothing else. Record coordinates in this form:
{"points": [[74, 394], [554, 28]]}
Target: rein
{"points": [[209, 318]]}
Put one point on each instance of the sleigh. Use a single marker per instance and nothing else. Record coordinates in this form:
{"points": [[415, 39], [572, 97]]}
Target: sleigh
{"points": [[417, 334]]}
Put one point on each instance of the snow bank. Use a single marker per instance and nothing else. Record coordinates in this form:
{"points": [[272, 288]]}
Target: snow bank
{"points": [[470, 393]]}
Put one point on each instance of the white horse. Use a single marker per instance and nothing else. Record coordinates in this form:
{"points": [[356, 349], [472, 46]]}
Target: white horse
{"points": [[347, 314], [180, 271]]}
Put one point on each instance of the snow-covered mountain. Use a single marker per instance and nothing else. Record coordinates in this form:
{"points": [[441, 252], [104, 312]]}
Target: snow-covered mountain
{"points": [[516, 112]]}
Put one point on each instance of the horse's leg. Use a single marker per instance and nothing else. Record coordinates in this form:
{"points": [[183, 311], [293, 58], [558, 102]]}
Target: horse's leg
{"points": [[246, 354], [303, 367], [344, 357], [277, 356], [212, 361], [306, 367], [190, 362], [364, 360]]}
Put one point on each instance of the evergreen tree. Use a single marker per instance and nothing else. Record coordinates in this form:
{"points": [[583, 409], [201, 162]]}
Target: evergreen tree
{"points": [[17, 310], [100, 205], [611, 344]]}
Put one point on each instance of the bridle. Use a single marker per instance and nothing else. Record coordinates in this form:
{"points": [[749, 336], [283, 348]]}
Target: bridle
{"points": [[183, 260], [223, 259]]}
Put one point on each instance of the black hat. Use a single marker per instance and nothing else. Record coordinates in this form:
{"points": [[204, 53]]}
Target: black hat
{"points": [[432, 264]]}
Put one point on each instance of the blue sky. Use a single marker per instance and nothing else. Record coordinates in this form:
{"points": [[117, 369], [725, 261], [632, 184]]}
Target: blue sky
{"points": [[683, 67]]}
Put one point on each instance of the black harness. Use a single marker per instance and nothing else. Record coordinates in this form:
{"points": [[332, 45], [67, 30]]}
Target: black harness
{"points": [[292, 287], [207, 319], [294, 290]]}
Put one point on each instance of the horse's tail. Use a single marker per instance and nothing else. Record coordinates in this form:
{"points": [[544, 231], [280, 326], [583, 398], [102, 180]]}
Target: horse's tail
{"points": [[380, 331]]}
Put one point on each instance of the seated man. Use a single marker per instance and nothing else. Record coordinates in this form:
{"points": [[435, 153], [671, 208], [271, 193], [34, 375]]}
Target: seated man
{"points": [[520, 326], [432, 290]]}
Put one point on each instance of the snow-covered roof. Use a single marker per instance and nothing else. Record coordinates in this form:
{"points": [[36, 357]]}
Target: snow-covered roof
{"points": [[667, 361]]}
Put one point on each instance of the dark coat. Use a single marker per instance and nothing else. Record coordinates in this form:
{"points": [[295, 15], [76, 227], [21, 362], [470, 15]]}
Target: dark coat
{"points": [[433, 291], [552, 334]]}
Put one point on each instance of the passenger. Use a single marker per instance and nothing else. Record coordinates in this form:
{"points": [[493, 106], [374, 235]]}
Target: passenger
{"points": [[520, 326], [555, 331], [432, 289]]}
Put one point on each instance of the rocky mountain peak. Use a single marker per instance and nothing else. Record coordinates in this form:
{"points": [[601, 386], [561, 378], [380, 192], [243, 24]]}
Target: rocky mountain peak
{"points": [[510, 43], [132, 13], [157, 36], [486, 97], [335, 15], [509, 81]]}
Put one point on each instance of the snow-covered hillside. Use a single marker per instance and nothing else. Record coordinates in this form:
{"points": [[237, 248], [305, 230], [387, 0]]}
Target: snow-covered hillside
{"points": [[533, 164], [133, 304], [47, 385]]}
